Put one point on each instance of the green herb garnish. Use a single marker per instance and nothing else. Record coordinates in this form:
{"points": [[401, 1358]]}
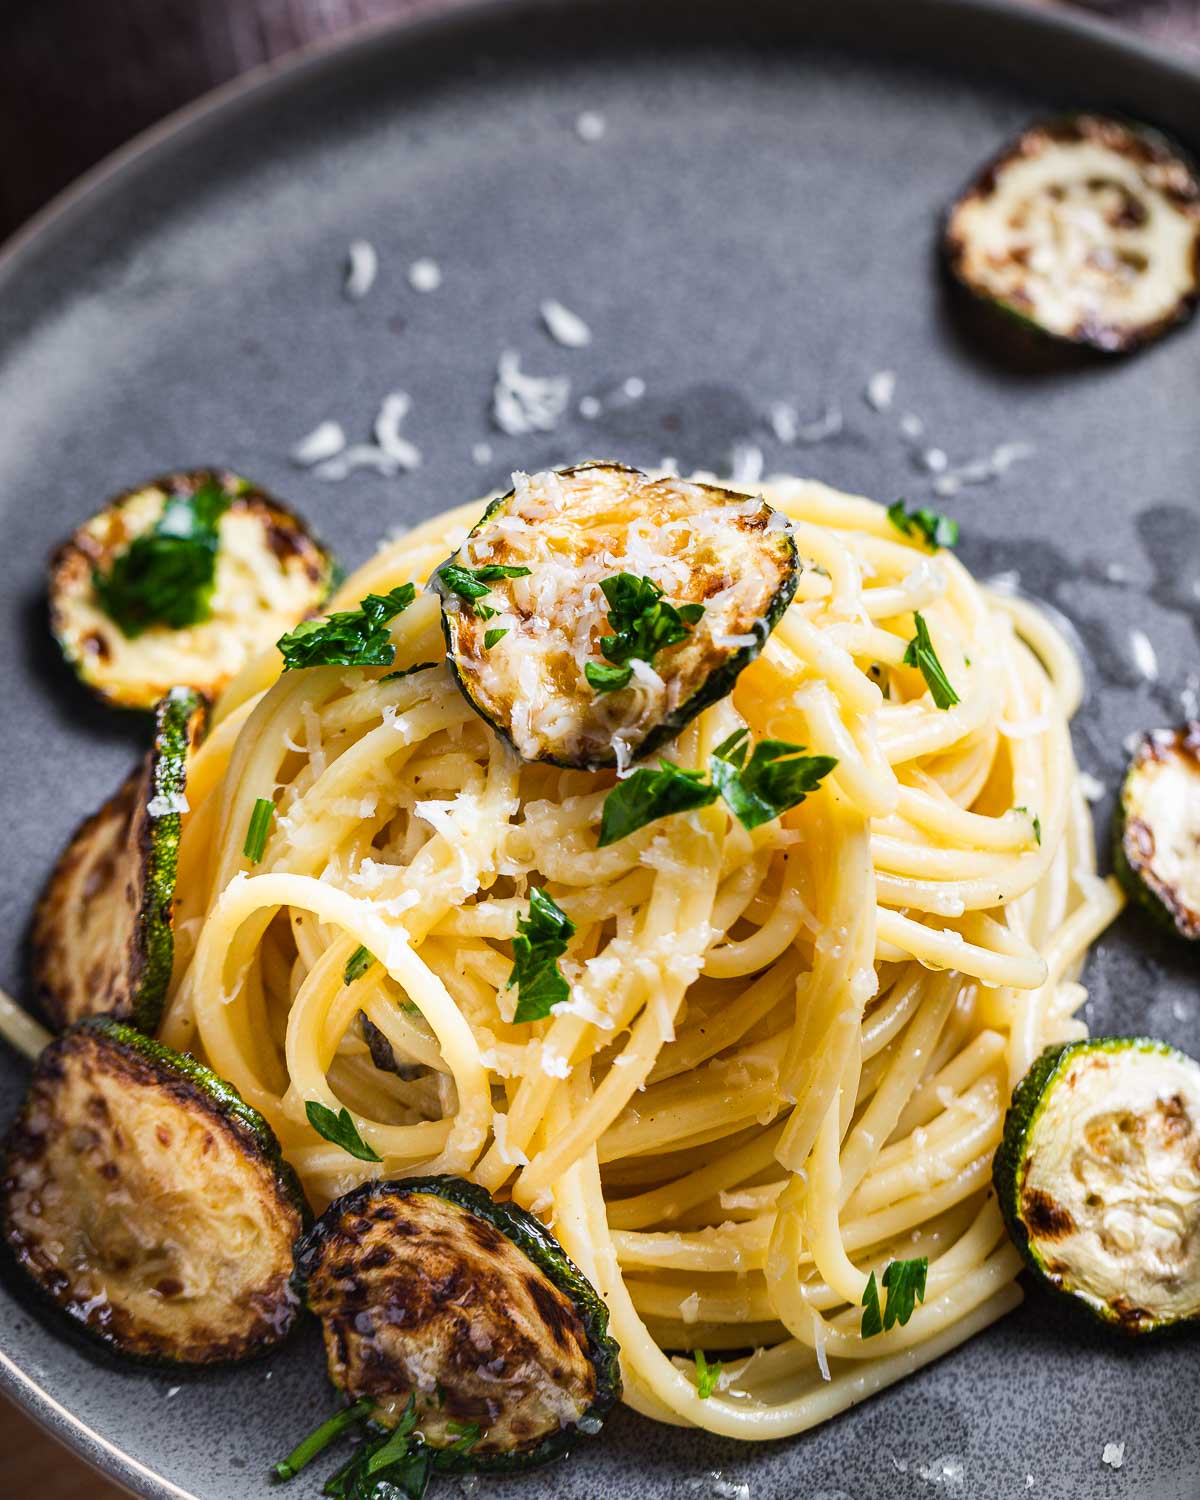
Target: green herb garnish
{"points": [[393, 1466], [472, 584], [357, 964], [351, 637], [649, 795], [934, 528], [1037, 824], [707, 1376], [257, 829], [490, 637], [540, 942], [643, 623], [920, 653], [320, 1438], [776, 777], [904, 1282], [340, 1129], [466, 1435], [165, 576], [421, 666]]}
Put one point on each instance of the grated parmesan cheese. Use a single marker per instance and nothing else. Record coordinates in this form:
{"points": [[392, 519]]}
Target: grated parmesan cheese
{"points": [[523, 403], [590, 126], [425, 275], [881, 390], [406, 455], [564, 326], [324, 441], [1145, 658], [162, 806], [1113, 1455], [362, 266]]}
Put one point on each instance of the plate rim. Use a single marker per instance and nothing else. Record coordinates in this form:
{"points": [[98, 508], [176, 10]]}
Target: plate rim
{"points": [[326, 56]]}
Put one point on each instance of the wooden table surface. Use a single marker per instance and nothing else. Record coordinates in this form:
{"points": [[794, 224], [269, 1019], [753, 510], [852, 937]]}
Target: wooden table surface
{"points": [[79, 77]]}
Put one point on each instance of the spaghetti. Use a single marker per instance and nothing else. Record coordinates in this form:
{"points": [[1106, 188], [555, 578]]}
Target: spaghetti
{"points": [[787, 1051]]}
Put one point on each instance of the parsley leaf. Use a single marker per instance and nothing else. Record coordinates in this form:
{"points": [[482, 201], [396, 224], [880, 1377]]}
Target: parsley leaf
{"points": [[935, 529], [490, 637], [920, 653], [648, 795], [320, 1438], [540, 942], [393, 1466], [257, 829], [397, 1443], [707, 1376], [466, 1435], [357, 964], [643, 623], [165, 576], [776, 777], [340, 1129], [904, 1282], [1037, 824], [351, 637], [606, 678], [421, 666], [471, 584]]}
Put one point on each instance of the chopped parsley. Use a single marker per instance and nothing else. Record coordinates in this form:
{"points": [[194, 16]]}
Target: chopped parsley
{"points": [[1037, 824], [351, 637], [465, 1434], [320, 1438], [904, 1282], [391, 1466], [920, 653], [935, 529], [776, 777], [166, 575], [421, 666], [707, 1376], [540, 942], [649, 795], [643, 623], [490, 637], [357, 964], [340, 1129], [257, 829], [473, 584]]}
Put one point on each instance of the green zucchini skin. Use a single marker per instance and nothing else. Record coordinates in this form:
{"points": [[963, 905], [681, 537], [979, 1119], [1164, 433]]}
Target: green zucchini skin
{"points": [[99, 1092], [206, 656], [102, 938], [1163, 165], [717, 683], [335, 1236], [1134, 844], [1011, 1166]]}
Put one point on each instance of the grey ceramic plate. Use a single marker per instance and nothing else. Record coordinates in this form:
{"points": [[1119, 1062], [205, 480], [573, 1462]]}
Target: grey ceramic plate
{"points": [[757, 224]]}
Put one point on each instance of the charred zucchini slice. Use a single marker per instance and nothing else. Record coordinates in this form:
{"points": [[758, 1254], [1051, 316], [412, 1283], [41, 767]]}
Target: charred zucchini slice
{"points": [[181, 581], [102, 938], [1099, 1180], [149, 1203], [1157, 832], [430, 1291], [1086, 228], [593, 611]]}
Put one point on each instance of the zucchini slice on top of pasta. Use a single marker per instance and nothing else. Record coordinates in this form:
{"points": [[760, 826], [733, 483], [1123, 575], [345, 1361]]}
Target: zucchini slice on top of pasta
{"points": [[594, 611], [149, 1203], [102, 937], [1157, 843], [182, 580], [1097, 1178], [1086, 228], [467, 1312]]}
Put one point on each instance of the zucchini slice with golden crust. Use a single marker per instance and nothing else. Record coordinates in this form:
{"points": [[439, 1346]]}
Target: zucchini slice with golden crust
{"points": [[1156, 843], [149, 1203], [1097, 1178], [182, 580], [1085, 228], [102, 937], [428, 1290], [593, 611]]}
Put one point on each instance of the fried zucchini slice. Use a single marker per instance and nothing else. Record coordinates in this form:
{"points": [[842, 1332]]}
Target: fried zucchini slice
{"points": [[1156, 841], [102, 937], [1086, 229], [594, 611], [1098, 1178], [149, 1203], [428, 1290], [182, 580]]}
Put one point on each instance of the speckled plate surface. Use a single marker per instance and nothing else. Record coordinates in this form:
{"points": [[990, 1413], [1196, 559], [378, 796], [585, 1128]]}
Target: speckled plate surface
{"points": [[756, 225]]}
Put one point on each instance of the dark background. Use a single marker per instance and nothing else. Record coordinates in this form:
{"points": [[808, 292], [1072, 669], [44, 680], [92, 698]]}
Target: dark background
{"points": [[78, 78]]}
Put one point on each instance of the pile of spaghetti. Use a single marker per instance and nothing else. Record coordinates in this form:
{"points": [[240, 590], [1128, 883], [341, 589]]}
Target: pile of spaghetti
{"points": [[787, 1051]]}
